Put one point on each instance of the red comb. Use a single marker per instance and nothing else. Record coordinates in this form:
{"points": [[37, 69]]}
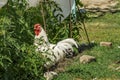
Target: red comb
{"points": [[36, 25], [37, 29]]}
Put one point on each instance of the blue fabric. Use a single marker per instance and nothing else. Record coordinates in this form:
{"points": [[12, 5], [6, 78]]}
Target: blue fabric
{"points": [[74, 8], [73, 11]]}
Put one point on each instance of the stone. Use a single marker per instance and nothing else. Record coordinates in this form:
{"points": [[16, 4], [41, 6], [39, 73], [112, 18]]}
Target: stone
{"points": [[86, 59], [50, 75], [109, 44], [118, 46], [118, 68]]}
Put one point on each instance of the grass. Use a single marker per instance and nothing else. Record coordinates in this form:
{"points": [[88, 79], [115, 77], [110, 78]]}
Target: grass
{"points": [[105, 28]]}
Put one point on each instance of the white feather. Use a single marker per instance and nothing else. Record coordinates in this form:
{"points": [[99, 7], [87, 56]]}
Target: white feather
{"points": [[42, 36], [66, 47], [70, 41], [55, 52], [60, 53]]}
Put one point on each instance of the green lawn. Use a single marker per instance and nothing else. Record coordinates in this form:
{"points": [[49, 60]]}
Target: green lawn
{"points": [[105, 28]]}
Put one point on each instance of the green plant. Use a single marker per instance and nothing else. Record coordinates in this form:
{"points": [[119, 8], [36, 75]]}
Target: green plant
{"points": [[18, 59], [52, 24], [105, 28]]}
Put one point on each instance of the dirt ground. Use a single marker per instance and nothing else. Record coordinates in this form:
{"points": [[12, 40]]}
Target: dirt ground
{"points": [[99, 3]]}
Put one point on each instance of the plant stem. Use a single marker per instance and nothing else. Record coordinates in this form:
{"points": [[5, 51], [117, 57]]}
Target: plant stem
{"points": [[86, 32], [70, 24], [44, 22]]}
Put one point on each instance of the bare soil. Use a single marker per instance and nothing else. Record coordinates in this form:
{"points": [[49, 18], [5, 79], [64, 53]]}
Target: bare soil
{"points": [[99, 3]]}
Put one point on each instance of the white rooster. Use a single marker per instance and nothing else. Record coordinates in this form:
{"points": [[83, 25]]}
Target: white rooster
{"points": [[55, 52]]}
